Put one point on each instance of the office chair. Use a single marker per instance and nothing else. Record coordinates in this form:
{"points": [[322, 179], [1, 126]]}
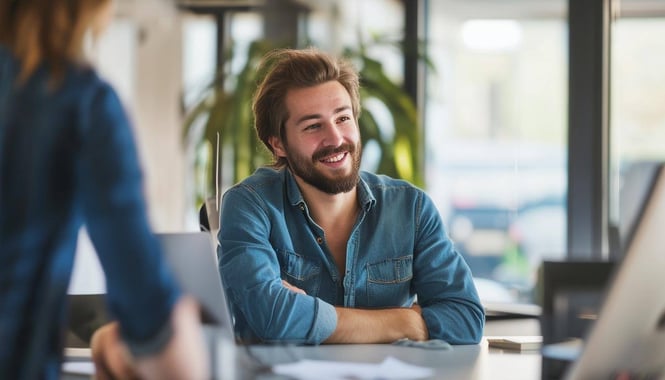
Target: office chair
{"points": [[209, 216], [204, 223], [86, 313], [571, 295]]}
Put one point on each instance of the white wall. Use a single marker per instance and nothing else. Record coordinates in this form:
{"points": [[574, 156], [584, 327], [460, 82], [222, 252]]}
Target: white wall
{"points": [[140, 55]]}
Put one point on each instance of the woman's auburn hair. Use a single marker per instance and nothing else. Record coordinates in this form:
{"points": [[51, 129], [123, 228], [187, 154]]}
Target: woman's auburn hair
{"points": [[49, 31]]}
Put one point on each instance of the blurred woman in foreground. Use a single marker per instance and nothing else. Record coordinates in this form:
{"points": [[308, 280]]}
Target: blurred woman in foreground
{"points": [[67, 159]]}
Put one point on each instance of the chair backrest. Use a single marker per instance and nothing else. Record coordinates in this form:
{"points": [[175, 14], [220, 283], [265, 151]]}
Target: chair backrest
{"points": [[86, 313], [204, 223], [209, 218], [571, 294]]}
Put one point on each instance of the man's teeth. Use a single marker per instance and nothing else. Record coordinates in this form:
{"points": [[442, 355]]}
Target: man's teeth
{"points": [[334, 158]]}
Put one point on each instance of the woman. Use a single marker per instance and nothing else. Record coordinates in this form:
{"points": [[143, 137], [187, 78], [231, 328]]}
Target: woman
{"points": [[67, 158]]}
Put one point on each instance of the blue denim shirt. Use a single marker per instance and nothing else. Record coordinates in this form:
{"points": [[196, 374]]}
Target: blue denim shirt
{"points": [[398, 249]]}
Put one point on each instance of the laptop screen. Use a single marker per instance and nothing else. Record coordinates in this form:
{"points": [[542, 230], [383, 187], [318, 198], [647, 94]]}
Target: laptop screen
{"points": [[192, 257]]}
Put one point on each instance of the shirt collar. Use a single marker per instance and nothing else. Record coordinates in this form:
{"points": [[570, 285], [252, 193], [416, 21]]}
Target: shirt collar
{"points": [[365, 197]]}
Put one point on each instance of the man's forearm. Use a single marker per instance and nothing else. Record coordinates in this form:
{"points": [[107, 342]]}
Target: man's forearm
{"points": [[378, 326]]}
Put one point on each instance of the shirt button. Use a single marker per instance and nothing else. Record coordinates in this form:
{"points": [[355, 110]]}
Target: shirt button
{"points": [[319, 239], [302, 207]]}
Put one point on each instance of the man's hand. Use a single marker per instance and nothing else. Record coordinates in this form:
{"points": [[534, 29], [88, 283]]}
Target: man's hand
{"points": [[418, 327], [185, 356]]}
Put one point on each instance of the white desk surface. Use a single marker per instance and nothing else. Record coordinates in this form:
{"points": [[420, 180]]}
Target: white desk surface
{"points": [[467, 362], [472, 362]]}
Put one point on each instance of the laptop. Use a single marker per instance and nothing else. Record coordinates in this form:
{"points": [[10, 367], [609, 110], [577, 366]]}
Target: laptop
{"points": [[627, 340], [193, 260]]}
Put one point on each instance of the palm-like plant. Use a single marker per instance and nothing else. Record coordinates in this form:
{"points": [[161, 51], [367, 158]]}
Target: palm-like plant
{"points": [[400, 148], [222, 118]]}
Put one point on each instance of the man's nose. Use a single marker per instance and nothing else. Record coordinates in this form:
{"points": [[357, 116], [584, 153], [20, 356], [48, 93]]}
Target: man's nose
{"points": [[333, 135]]}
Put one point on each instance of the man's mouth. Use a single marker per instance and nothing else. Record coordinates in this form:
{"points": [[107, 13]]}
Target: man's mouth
{"points": [[333, 159]]}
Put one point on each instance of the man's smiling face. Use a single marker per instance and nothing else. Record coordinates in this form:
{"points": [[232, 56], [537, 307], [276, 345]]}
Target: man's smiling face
{"points": [[322, 139]]}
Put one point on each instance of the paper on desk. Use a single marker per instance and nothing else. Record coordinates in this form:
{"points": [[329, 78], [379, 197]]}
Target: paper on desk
{"points": [[390, 368]]}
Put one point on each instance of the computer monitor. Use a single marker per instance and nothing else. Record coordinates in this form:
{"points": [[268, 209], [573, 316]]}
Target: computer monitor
{"points": [[637, 183]]}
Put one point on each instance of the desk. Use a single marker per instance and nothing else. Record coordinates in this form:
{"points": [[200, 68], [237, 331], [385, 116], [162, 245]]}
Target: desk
{"points": [[473, 362]]}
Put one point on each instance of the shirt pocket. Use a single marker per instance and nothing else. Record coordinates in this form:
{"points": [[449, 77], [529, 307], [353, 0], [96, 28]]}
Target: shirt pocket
{"points": [[301, 272], [389, 282]]}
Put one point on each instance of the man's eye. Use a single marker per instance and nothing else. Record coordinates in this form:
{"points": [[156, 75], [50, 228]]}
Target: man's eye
{"points": [[344, 118], [312, 126]]}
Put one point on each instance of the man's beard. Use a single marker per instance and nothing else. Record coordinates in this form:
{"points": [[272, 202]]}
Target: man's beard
{"points": [[305, 168]]}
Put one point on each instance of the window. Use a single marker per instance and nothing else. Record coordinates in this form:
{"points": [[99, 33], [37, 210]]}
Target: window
{"points": [[496, 119]]}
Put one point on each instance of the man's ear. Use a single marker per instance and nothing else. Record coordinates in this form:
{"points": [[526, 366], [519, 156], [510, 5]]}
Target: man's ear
{"points": [[277, 146]]}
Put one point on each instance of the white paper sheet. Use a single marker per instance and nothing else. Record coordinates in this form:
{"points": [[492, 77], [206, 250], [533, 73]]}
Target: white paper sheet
{"points": [[390, 368]]}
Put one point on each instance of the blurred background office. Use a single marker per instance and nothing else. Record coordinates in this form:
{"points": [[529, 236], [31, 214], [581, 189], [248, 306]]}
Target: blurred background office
{"points": [[527, 112]]}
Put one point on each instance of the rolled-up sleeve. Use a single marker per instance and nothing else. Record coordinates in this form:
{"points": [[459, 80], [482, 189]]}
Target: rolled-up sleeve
{"points": [[324, 323], [450, 304]]}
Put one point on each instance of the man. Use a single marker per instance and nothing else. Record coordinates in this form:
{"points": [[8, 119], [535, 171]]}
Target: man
{"points": [[315, 251]]}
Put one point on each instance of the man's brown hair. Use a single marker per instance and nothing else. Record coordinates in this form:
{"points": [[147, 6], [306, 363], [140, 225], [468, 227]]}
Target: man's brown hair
{"points": [[286, 69]]}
